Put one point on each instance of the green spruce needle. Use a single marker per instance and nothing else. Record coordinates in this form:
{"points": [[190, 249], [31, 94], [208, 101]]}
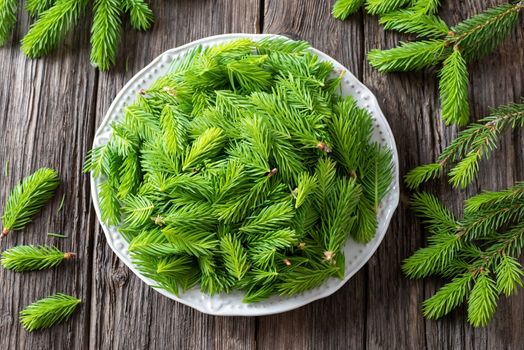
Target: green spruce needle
{"points": [[61, 204], [27, 198], [242, 169], [47, 312], [56, 235], [30, 258]]}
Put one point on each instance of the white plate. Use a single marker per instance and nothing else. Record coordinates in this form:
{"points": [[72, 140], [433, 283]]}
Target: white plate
{"points": [[231, 304]]}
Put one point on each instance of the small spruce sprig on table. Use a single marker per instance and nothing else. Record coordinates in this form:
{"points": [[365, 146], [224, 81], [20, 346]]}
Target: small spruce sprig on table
{"points": [[342, 9], [478, 252], [49, 311], [55, 18], [27, 198], [30, 258], [471, 145]]}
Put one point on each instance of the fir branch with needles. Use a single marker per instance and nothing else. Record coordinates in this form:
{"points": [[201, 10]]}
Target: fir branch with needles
{"points": [[464, 42], [35, 7], [54, 19], [479, 252], [47, 312], [242, 170], [27, 198], [471, 145], [30, 258]]}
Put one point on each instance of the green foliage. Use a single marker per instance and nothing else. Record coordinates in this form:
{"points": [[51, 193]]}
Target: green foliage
{"points": [[35, 7], [29, 258], [47, 312], [478, 252], [448, 297], [7, 19], [471, 145], [55, 18], [481, 34], [51, 27], [379, 7], [241, 169], [414, 55], [470, 39], [342, 9], [453, 86], [482, 301], [27, 198], [411, 22], [141, 15], [105, 33]]}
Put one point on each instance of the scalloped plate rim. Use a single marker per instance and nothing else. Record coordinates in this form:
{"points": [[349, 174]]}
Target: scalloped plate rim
{"points": [[300, 299]]}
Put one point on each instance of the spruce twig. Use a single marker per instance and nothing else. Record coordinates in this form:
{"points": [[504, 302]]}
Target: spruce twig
{"points": [[466, 41], [47, 312], [30, 258], [27, 198], [472, 144]]}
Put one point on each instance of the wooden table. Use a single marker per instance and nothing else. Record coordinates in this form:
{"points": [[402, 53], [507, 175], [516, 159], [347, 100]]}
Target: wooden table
{"points": [[51, 107]]}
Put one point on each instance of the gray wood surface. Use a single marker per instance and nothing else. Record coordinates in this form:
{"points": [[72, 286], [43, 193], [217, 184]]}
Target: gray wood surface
{"points": [[51, 107]]}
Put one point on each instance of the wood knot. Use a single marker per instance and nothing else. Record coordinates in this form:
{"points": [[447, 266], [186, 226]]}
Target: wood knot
{"points": [[120, 276]]}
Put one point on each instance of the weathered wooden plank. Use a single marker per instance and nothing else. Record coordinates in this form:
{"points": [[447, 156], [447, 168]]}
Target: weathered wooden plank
{"points": [[126, 313], [47, 119], [337, 322]]}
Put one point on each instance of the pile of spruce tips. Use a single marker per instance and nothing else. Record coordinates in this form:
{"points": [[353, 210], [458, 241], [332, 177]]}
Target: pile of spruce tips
{"points": [[243, 168]]}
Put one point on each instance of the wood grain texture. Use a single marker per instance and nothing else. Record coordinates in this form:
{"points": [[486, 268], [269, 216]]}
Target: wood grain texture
{"points": [[47, 119], [51, 107]]}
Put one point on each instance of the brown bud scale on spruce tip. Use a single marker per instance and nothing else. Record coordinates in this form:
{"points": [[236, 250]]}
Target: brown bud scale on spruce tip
{"points": [[323, 147], [272, 172], [69, 255], [287, 262]]}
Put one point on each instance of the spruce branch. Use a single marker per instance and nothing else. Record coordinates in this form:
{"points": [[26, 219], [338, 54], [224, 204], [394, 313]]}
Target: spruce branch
{"points": [[51, 27], [235, 256], [141, 15], [47, 312], [408, 56], [482, 301], [27, 198], [7, 19], [470, 39], [482, 33], [105, 33], [29, 258], [411, 22], [453, 86], [472, 144], [342, 9], [35, 7], [448, 297], [478, 252], [378, 7]]}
